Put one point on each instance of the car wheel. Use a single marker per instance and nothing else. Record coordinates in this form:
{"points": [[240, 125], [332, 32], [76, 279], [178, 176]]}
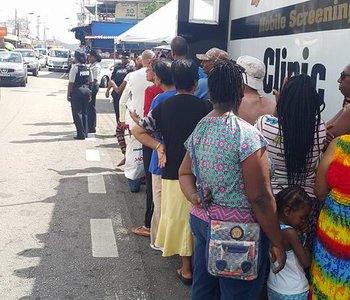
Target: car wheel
{"points": [[24, 82], [104, 82], [50, 69], [35, 72]]}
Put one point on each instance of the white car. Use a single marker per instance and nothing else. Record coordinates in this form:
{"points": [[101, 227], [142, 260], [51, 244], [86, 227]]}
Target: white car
{"points": [[42, 54], [13, 69], [31, 60], [59, 59], [107, 66]]}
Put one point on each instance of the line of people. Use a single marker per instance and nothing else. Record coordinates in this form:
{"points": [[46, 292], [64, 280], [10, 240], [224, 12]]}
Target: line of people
{"points": [[214, 148]]}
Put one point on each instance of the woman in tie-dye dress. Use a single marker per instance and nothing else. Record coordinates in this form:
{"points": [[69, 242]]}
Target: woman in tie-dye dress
{"points": [[331, 263]]}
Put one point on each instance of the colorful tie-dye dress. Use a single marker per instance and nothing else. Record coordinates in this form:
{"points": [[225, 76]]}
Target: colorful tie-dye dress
{"points": [[331, 262]]}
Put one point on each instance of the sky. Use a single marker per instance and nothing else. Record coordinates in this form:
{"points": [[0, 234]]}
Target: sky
{"points": [[53, 16]]}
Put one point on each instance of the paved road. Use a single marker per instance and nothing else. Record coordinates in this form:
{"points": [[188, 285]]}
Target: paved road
{"points": [[65, 210]]}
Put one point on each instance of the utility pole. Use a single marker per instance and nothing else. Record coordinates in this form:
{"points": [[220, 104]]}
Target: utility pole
{"points": [[38, 27]]}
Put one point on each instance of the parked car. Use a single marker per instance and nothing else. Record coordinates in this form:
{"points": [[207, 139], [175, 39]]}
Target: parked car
{"points": [[59, 59], [42, 55], [13, 69], [31, 60], [107, 66]]}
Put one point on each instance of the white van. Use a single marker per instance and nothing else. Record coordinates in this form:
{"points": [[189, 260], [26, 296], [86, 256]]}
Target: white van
{"points": [[58, 59], [295, 36], [289, 36]]}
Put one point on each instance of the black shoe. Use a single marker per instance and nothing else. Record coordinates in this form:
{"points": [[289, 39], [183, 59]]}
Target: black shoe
{"points": [[79, 138]]}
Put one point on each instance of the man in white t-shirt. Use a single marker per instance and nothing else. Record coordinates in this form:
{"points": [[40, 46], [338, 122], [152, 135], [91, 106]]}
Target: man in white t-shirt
{"points": [[133, 98], [134, 93]]}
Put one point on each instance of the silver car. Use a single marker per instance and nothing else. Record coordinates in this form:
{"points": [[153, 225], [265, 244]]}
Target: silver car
{"points": [[31, 59], [13, 70]]}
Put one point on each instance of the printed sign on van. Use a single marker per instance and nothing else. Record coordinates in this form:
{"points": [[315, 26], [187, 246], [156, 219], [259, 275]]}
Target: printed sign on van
{"points": [[315, 42], [308, 16]]}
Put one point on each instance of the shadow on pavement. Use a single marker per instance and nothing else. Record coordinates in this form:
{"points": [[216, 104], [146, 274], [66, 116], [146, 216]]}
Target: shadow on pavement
{"points": [[67, 270], [52, 133], [81, 171], [33, 141], [50, 124]]}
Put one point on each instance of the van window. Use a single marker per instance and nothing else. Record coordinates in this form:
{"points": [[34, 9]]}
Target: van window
{"points": [[204, 12], [59, 53]]}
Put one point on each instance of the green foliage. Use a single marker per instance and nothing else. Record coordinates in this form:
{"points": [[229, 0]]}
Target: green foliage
{"points": [[153, 6]]}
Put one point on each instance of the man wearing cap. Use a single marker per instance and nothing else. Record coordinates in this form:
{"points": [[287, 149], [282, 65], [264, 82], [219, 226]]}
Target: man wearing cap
{"points": [[253, 103], [208, 61]]}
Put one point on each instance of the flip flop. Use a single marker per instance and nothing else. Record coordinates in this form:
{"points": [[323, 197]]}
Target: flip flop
{"points": [[185, 281], [141, 230]]}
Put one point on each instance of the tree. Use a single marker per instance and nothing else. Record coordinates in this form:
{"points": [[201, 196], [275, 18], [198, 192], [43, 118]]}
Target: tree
{"points": [[153, 6]]}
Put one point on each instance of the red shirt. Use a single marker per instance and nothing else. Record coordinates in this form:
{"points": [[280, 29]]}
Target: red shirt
{"points": [[150, 93]]}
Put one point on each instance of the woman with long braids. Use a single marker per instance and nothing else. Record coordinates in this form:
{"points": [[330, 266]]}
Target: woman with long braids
{"points": [[296, 135], [233, 169]]}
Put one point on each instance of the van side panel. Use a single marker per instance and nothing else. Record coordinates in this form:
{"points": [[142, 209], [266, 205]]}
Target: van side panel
{"points": [[294, 37]]}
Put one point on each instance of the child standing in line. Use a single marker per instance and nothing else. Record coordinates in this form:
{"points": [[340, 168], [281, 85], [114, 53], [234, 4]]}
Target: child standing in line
{"points": [[293, 207]]}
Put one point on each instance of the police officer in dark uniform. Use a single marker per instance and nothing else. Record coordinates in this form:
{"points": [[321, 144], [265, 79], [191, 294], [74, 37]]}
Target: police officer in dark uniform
{"points": [[117, 83], [79, 93]]}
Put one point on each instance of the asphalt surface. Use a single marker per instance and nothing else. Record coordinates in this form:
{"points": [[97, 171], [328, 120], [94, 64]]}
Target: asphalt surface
{"points": [[47, 204]]}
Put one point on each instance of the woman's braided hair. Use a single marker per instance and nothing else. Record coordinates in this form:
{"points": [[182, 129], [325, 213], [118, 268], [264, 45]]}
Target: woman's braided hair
{"points": [[299, 115], [226, 85]]}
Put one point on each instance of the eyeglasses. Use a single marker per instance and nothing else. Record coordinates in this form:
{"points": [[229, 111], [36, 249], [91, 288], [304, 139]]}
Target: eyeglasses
{"points": [[343, 75]]}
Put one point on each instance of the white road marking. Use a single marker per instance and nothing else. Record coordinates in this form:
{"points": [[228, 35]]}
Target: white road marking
{"points": [[91, 137], [96, 184], [92, 155], [102, 238]]}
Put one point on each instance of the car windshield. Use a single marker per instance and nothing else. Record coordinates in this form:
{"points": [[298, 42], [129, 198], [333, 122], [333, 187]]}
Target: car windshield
{"points": [[59, 53], [41, 51], [10, 57], [106, 63], [28, 53]]}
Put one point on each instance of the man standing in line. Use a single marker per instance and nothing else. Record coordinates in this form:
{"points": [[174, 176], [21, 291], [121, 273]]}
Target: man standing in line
{"points": [[179, 50], [133, 98]]}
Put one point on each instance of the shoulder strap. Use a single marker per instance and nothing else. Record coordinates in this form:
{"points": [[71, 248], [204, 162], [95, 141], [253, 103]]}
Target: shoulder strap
{"points": [[199, 185]]}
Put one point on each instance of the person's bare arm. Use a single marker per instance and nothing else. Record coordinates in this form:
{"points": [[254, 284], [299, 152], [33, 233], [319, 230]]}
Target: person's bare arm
{"points": [[69, 91], [301, 252], [111, 85], [256, 176], [321, 186], [341, 125], [146, 139], [331, 121], [188, 183], [120, 89]]}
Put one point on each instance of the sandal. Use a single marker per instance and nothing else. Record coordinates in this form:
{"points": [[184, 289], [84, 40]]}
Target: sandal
{"points": [[185, 281], [142, 230]]}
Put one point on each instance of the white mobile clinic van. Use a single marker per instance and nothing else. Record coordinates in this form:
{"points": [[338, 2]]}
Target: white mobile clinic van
{"points": [[289, 36]]}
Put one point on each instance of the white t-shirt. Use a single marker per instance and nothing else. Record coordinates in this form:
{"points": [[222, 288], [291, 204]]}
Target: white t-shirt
{"points": [[133, 95], [291, 280], [268, 126], [95, 69]]}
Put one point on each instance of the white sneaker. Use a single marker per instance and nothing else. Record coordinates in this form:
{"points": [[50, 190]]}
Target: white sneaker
{"points": [[156, 248]]}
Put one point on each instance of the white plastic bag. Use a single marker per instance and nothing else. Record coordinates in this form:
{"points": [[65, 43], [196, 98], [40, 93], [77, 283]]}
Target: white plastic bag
{"points": [[134, 168]]}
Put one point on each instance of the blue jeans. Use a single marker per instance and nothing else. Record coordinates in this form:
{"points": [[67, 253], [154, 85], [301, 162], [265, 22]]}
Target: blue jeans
{"points": [[208, 287], [134, 185]]}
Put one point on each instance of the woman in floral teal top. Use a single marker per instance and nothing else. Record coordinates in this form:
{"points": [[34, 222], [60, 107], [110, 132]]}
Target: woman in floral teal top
{"points": [[234, 171]]}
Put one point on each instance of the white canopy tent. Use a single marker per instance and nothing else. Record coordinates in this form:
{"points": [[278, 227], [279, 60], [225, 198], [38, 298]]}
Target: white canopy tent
{"points": [[161, 26]]}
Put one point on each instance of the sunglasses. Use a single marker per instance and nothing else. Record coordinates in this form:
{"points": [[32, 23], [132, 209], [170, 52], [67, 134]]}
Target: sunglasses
{"points": [[343, 75]]}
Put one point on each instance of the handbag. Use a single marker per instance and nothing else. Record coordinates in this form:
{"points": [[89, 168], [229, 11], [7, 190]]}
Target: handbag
{"points": [[232, 247]]}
